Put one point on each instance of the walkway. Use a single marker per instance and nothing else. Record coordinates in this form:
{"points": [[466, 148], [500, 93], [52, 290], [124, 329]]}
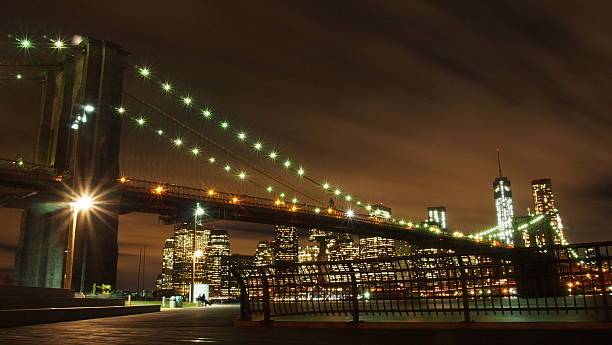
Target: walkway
{"points": [[214, 325]]}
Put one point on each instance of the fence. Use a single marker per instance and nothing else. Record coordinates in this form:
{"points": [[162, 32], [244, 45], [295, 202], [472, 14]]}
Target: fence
{"points": [[561, 280]]}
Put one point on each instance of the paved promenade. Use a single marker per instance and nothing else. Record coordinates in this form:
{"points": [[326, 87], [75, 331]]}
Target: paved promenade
{"points": [[214, 325]]}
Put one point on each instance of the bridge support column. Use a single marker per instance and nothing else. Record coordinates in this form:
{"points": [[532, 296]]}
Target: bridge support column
{"points": [[40, 254], [92, 74]]}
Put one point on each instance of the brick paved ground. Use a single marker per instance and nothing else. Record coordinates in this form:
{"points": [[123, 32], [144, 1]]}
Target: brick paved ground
{"points": [[214, 325]]}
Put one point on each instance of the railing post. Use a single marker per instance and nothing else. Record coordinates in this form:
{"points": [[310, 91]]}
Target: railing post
{"points": [[245, 306], [464, 290], [355, 295], [602, 286], [266, 295]]}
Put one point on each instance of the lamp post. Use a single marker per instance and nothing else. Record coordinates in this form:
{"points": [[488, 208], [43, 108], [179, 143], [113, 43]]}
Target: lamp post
{"points": [[196, 253], [83, 203]]}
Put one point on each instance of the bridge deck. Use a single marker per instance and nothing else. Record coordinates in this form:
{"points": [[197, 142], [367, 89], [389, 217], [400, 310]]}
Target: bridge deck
{"points": [[178, 202]]}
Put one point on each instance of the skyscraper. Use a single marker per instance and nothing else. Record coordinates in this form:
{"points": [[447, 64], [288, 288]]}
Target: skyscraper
{"points": [[438, 216], [376, 247], [285, 244], [264, 254], [184, 237], [308, 253], [544, 203], [502, 193], [165, 279], [216, 264]]}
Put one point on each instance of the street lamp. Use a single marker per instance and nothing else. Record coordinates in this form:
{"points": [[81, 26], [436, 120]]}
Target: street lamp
{"points": [[83, 203], [196, 253]]}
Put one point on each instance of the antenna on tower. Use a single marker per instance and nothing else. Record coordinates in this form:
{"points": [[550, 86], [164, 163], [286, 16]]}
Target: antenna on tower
{"points": [[498, 161]]}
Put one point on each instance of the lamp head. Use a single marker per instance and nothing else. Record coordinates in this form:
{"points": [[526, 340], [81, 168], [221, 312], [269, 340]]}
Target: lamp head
{"points": [[82, 203]]}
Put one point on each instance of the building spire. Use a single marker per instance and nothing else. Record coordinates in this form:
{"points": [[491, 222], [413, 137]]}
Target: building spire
{"points": [[498, 161]]}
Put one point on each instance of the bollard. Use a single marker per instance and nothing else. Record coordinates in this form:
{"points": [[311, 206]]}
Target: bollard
{"points": [[129, 301], [163, 302]]}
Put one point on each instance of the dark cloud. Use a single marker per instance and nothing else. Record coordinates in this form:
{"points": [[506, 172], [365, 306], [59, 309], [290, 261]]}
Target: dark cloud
{"points": [[401, 102]]}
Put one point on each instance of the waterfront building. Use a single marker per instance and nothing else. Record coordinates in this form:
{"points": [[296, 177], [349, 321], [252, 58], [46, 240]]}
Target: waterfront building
{"points": [[502, 194], [544, 203], [285, 244], [187, 240], [376, 247], [216, 267], [264, 254], [438, 215], [164, 281]]}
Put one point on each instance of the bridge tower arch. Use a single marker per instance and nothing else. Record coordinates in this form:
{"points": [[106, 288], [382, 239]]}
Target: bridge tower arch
{"points": [[90, 75]]}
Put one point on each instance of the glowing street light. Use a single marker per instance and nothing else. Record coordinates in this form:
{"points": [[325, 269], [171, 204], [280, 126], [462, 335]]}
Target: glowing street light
{"points": [[89, 108], [83, 203], [199, 210]]}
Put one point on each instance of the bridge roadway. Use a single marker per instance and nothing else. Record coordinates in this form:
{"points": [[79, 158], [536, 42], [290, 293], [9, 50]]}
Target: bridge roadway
{"points": [[214, 325], [177, 202]]}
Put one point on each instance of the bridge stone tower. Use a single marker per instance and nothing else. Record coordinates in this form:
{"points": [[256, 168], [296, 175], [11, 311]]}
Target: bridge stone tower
{"points": [[91, 74]]}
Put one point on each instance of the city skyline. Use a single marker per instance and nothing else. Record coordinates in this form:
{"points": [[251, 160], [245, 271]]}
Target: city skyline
{"points": [[407, 169]]}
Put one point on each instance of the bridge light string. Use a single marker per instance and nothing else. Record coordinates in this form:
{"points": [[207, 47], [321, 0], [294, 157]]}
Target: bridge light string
{"points": [[144, 72], [217, 145], [179, 142], [240, 174]]}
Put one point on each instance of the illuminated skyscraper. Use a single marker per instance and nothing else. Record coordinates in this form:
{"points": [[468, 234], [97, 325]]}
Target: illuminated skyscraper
{"points": [[343, 251], [438, 216], [543, 198], [165, 278], [544, 203], [285, 244], [376, 247], [216, 264], [264, 254], [308, 253], [502, 193], [184, 237]]}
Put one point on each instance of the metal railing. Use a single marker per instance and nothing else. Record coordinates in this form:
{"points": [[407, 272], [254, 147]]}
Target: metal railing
{"points": [[500, 285]]}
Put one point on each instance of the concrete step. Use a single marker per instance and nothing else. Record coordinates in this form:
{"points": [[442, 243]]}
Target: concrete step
{"points": [[30, 291], [22, 317], [21, 302]]}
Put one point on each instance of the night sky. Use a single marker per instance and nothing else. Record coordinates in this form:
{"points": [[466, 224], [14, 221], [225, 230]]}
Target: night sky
{"points": [[401, 102]]}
